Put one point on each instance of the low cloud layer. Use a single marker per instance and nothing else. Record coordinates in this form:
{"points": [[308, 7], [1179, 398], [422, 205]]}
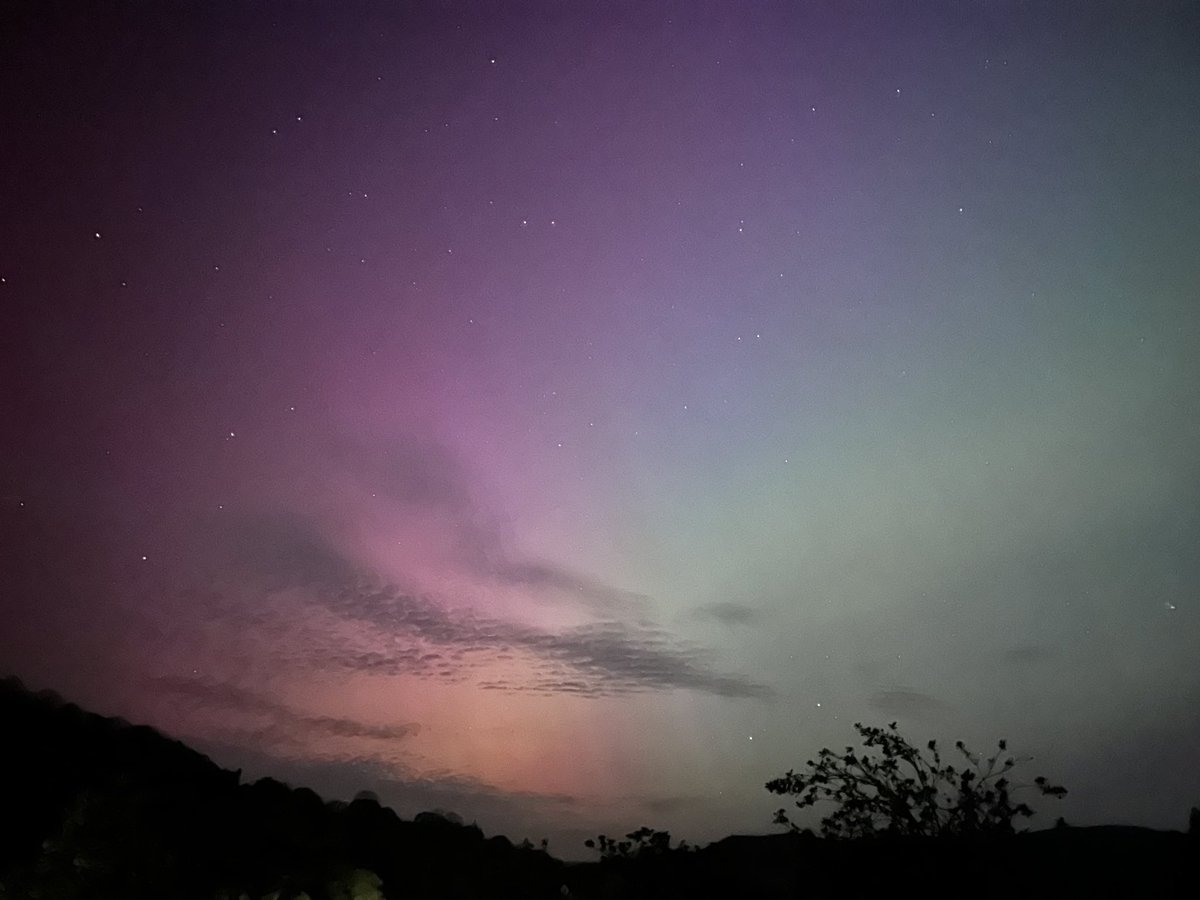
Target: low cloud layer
{"points": [[280, 718], [520, 812], [728, 613], [393, 632]]}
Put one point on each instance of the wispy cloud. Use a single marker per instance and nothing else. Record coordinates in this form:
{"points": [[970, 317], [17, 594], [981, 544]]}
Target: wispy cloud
{"points": [[595, 659], [424, 478], [728, 613], [545, 576], [408, 793], [399, 633], [228, 697]]}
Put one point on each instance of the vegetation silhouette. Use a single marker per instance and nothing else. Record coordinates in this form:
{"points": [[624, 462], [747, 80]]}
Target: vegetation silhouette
{"points": [[96, 808], [93, 808], [900, 790], [639, 844]]}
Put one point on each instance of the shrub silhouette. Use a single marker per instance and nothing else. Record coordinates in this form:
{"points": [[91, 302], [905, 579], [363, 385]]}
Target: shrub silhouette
{"points": [[901, 790], [638, 844]]}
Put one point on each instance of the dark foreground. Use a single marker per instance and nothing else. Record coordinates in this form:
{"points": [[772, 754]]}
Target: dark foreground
{"points": [[95, 808]]}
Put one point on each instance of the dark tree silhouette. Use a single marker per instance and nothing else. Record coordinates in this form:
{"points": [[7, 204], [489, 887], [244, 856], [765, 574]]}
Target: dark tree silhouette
{"points": [[637, 844], [901, 790], [94, 808]]}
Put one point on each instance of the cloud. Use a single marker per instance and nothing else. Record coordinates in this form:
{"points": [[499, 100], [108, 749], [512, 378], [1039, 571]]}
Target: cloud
{"points": [[903, 702], [728, 613], [565, 818], [424, 481], [282, 718], [424, 477], [594, 659], [621, 655], [400, 633], [407, 793], [545, 576]]}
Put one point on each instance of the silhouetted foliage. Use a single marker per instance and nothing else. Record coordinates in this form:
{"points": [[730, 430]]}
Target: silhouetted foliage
{"points": [[96, 809], [901, 790], [639, 844]]}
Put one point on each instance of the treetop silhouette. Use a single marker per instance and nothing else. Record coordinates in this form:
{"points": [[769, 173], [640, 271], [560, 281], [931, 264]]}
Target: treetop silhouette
{"points": [[893, 788]]}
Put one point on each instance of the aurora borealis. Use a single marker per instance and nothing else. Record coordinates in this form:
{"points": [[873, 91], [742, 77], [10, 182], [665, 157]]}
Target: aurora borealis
{"points": [[574, 415]]}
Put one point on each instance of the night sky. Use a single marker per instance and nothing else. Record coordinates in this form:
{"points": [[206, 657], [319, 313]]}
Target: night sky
{"points": [[574, 415]]}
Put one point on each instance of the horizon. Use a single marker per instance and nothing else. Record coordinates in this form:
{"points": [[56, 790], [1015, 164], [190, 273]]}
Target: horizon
{"points": [[596, 853], [573, 417]]}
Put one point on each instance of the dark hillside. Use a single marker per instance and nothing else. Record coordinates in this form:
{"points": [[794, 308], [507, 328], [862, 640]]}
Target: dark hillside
{"points": [[97, 808]]}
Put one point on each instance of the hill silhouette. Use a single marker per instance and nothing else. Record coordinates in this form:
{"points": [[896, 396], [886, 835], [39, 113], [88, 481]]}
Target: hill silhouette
{"points": [[94, 807]]}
